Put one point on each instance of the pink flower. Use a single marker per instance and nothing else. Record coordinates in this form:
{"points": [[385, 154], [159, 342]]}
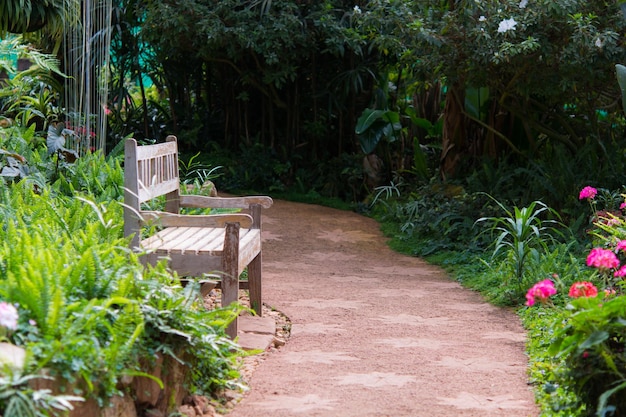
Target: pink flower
{"points": [[613, 221], [621, 245], [620, 272], [602, 259], [540, 291], [587, 193], [583, 289], [622, 206], [8, 315]]}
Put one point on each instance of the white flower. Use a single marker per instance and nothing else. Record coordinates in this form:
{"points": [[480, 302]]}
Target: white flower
{"points": [[506, 25], [523, 4], [357, 9], [599, 43], [8, 316], [482, 19]]}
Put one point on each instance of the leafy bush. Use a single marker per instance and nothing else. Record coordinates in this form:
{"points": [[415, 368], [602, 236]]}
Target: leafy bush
{"points": [[434, 217], [587, 349], [592, 347], [521, 234], [89, 311]]}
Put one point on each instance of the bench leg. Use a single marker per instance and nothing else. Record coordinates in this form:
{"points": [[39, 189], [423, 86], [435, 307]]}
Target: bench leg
{"points": [[230, 272], [254, 283]]}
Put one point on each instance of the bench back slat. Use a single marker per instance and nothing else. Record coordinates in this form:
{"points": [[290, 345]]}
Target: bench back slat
{"points": [[149, 171], [157, 170]]}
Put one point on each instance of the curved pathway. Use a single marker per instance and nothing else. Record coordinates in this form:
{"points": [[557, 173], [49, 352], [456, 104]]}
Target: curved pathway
{"points": [[376, 333]]}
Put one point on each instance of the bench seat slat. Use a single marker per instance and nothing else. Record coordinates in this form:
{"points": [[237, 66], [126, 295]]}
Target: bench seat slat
{"points": [[165, 238], [199, 241], [183, 239], [209, 240]]}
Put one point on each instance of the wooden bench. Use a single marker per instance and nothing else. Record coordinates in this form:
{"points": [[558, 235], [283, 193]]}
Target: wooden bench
{"points": [[222, 244]]}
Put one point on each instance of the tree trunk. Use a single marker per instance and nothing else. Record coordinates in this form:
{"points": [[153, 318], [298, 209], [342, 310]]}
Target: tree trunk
{"points": [[453, 141]]}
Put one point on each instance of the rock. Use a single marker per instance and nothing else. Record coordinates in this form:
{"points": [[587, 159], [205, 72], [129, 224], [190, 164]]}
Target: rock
{"points": [[188, 410], [12, 355], [120, 407], [146, 390], [278, 342]]}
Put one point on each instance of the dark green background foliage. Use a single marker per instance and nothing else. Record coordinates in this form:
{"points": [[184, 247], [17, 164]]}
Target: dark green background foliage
{"points": [[291, 76]]}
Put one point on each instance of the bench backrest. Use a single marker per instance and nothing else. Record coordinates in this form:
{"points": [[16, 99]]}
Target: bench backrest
{"points": [[150, 171]]}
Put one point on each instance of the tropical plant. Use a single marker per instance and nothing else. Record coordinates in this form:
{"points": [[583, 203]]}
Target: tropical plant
{"points": [[22, 16], [522, 233], [18, 399], [194, 171], [36, 88]]}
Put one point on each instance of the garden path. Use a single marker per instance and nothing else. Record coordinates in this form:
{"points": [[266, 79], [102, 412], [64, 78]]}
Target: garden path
{"points": [[376, 333]]}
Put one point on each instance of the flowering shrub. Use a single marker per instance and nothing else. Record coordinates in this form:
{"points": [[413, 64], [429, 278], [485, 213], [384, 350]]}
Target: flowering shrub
{"points": [[591, 350], [589, 343], [540, 291], [583, 289], [603, 259], [543, 290], [588, 193], [513, 51]]}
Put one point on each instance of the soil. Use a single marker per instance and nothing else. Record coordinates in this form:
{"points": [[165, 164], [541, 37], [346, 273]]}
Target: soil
{"points": [[370, 332]]}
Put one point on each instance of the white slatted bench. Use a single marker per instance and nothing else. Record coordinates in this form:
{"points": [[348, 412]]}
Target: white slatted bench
{"points": [[222, 244]]}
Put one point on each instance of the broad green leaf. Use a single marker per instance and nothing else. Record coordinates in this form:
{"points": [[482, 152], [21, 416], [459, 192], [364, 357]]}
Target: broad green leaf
{"points": [[594, 339], [368, 117], [55, 139], [420, 164], [369, 140], [475, 99]]}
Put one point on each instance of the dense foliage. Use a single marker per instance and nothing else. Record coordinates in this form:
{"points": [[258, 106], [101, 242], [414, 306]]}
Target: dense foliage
{"points": [[431, 115], [73, 297]]}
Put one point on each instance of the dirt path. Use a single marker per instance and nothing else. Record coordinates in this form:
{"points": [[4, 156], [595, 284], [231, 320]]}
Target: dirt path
{"points": [[375, 333]]}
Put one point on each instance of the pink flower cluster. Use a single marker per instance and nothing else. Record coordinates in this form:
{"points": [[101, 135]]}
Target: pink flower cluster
{"points": [[588, 193], [602, 259], [540, 291], [606, 259], [583, 289]]}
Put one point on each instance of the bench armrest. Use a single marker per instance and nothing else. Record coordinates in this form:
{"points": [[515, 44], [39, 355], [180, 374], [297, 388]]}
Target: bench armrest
{"points": [[200, 201], [166, 219]]}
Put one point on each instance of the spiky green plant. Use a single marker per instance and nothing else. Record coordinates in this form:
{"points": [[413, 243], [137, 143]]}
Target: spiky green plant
{"points": [[522, 233]]}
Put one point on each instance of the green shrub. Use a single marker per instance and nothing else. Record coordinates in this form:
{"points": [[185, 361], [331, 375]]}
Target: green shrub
{"points": [[522, 234], [90, 313], [592, 347]]}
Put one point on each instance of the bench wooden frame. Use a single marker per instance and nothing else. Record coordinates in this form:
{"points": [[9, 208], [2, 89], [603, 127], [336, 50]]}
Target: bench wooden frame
{"points": [[223, 244]]}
